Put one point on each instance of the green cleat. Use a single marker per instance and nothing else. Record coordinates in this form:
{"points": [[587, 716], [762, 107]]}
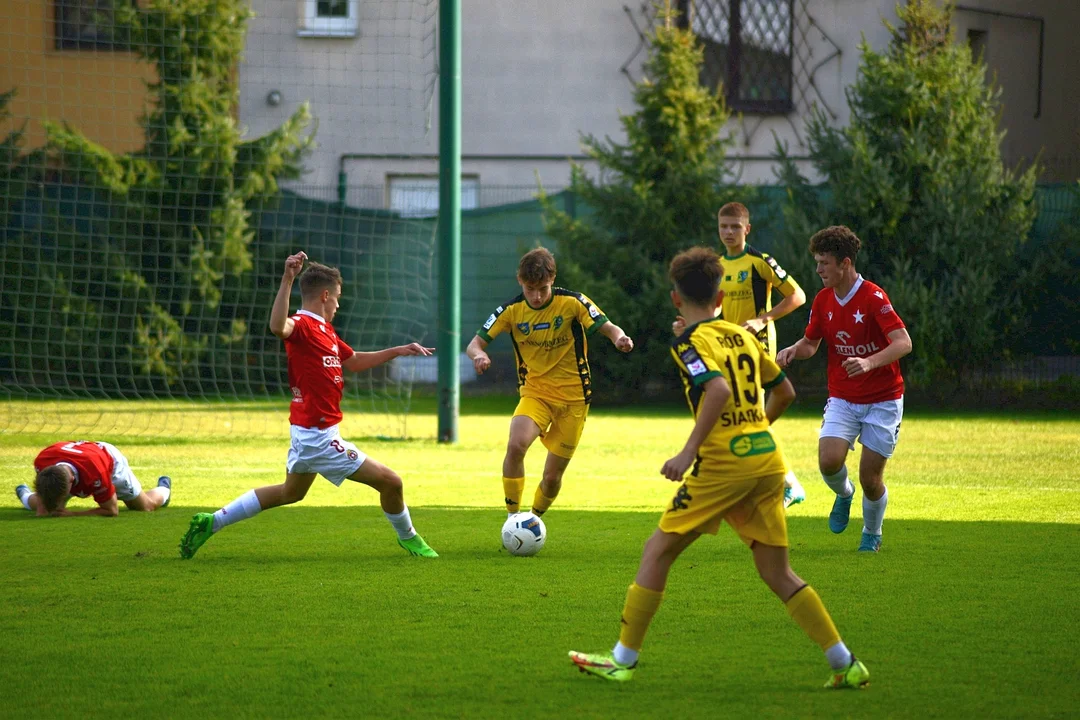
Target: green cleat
{"points": [[200, 530], [854, 675], [416, 546], [602, 665]]}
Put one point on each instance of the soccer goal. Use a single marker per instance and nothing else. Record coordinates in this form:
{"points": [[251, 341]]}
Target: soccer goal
{"points": [[158, 162]]}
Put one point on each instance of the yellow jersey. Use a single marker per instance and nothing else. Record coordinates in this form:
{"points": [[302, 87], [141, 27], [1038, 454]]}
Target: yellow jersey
{"points": [[748, 281], [741, 444], [550, 344]]}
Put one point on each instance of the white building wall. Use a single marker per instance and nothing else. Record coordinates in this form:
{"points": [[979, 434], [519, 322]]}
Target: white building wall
{"points": [[537, 74]]}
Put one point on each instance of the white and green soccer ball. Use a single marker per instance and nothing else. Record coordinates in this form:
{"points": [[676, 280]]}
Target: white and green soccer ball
{"points": [[523, 534]]}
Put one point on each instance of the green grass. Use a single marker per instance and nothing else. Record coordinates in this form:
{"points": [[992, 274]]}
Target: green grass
{"points": [[970, 609]]}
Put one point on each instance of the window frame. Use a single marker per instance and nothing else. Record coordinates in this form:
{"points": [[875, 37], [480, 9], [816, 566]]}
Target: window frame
{"points": [[472, 178], [66, 41], [313, 25], [732, 72]]}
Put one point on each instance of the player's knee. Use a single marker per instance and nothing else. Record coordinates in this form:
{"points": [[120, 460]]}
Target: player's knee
{"points": [[292, 494], [391, 482], [829, 465], [516, 448]]}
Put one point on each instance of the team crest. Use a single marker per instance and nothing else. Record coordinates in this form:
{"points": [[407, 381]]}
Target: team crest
{"points": [[523, 328], [352, 455], [743, 274], [558, 321]]}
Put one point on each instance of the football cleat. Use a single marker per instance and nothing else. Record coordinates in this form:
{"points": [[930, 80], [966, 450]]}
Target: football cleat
{"points": [[602, 665], [793, 494], [854, 675], [200, 530], [869, 543], [416, 546], [841, 513]]}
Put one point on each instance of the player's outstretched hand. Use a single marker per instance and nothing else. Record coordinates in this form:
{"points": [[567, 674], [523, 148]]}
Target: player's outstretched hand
{"points": [[679, 325], [294, 264], [785, 356], [481, 362], [755, 325], [624, 344], [414, 349], [676, 467], [857, 366]]}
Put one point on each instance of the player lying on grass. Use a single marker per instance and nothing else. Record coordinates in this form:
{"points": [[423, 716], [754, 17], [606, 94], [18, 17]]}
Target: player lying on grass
{"points": [[549, 327], [88, 469], [316, 357], [750, 276], [865, 338], [736, 474]]}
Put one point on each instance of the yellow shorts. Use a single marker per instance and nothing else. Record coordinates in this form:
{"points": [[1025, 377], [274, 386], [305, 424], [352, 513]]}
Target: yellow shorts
{"points": [[560, 425], [754, 508]]}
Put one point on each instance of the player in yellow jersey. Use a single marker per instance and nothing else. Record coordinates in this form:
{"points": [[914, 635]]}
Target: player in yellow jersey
{"points": [[549, 327], [750, 276], [736, 474]]}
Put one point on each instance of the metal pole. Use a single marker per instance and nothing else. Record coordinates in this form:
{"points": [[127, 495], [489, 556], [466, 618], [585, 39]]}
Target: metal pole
{"points": [[448, 343]]}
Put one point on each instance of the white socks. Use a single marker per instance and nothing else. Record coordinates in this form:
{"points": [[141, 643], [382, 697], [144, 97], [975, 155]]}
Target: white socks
{"points": [[839, 482], [873, 513], [24, 497], [624, 655], [402, 523], [244, 507], [839, 656]]}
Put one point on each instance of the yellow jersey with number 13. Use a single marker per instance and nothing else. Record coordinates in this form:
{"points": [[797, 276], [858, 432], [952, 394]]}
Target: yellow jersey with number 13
{"points": [[740, 445]]}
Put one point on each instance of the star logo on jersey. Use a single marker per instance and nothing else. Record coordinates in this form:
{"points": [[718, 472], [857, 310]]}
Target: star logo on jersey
{"points": [[523, 328], [743, 274], [858, 316]]}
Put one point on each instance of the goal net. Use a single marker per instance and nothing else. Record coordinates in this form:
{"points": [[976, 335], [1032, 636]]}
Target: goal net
{"points": [[159, 160]]}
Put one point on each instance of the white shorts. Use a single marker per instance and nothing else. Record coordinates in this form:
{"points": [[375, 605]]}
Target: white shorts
{"points": [[876, 425], [126, 484], [324, 452]]}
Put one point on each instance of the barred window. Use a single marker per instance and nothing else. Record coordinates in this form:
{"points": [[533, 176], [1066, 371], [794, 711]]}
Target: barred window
{"points": [[88, 25], [749, 47]]}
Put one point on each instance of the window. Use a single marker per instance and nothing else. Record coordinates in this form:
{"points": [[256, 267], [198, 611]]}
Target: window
{"points": [[329, 18], [87, 25], [749, 47], [418, 195], [977, 42]]}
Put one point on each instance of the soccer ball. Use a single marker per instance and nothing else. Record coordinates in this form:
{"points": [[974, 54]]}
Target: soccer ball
{"points": [[523, 534]]}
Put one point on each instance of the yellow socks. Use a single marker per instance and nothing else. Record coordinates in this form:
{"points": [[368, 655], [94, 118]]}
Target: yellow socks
{"points": [[806, 608], [641, 605], [513, 488], [541, 502]]}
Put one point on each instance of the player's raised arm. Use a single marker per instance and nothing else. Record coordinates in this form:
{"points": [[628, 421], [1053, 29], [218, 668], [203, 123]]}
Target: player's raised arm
{"points": [[618, 338], [280, 322], [360, 361], [476, 353]]}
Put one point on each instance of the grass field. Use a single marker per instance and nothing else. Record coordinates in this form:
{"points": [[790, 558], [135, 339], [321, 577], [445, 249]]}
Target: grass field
{"points": [[971, 609]]}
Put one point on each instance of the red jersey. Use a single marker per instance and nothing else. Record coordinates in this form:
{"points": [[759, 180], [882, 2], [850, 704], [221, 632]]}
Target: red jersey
{"points": [[857, 326], [315, 355], [93, 467]]}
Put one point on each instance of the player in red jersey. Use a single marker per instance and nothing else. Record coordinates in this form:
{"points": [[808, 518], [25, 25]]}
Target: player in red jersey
{"points": [[865, 340], [88, 469], [316, 357]]}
